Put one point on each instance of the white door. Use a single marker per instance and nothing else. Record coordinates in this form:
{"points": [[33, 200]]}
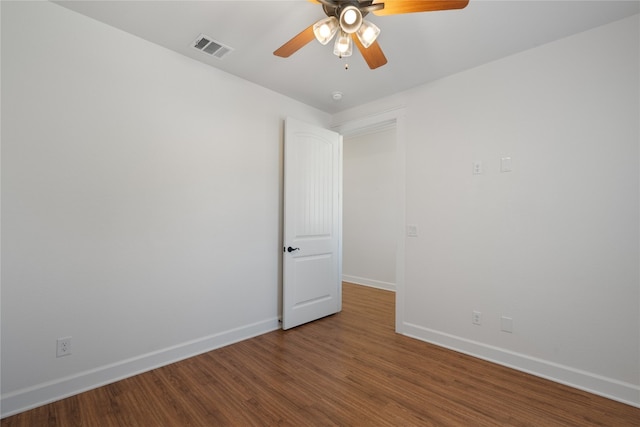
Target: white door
{"points": [[312, 282]]}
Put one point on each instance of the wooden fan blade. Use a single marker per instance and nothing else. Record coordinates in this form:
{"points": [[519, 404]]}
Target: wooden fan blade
{"points": [[329, 3], [293, 45], [395, 7], [372, 54]]}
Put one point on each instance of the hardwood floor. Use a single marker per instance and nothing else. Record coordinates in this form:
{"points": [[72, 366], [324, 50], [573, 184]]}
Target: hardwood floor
{"points": [[349, 369]]}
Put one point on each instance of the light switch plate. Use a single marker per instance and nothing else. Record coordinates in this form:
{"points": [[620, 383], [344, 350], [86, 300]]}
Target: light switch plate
{"points": [[506, 324], [505, 164]]}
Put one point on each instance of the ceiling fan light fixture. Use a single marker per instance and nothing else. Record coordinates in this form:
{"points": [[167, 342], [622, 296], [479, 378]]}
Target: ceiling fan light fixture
{"points": [[325, 29], [343, 46], [350, 19], [367, 33]]}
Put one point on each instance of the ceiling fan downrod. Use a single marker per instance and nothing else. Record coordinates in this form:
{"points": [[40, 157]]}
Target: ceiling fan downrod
{"points": [[336, 7]]}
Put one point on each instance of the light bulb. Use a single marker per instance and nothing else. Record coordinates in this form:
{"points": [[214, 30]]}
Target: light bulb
{"points": [[368, 34], [324, 31], [350, 16]]}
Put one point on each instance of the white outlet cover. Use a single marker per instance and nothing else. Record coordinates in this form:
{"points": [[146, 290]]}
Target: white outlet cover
{"points": [[476, 317], [63, 347], [477, 167]]}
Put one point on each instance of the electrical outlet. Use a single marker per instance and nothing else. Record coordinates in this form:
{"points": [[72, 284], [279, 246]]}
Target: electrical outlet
{"points": [[476, 318], [477, 167], [63, 347]]}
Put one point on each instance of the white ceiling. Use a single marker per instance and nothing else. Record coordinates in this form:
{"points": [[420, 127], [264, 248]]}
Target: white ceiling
{"points": [[420, 47]]}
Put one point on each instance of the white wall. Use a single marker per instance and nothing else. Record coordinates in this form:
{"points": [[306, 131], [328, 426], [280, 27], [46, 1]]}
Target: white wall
{"points": [[554, 244], [133, 192], [134, 195], [370, 209]]}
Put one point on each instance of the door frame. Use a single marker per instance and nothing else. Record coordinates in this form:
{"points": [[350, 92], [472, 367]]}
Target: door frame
{"points": [[390, 118]]}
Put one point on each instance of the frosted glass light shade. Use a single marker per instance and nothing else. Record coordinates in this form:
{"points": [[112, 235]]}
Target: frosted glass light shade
{"points": [[350, 19], [325, 29], [367, 33], [343, 46]]}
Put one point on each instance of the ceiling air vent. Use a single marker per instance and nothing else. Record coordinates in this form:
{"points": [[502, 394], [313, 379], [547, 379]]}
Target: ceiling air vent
{"points": [[211, 47]]}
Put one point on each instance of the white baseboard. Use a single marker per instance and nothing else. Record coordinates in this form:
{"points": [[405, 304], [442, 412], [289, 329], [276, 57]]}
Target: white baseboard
{"points": [[41, 394], [592, 383], [369, 282]]}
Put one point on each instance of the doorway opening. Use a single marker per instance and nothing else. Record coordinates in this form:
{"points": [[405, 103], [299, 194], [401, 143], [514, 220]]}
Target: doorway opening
{"points": [[373, 207], [369, 208]]}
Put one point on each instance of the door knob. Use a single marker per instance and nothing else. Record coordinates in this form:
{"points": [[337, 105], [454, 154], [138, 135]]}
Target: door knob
{"points": [[290, 249]]}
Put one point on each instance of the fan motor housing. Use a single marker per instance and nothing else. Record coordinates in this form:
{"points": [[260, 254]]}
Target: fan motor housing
{"points": [[336, 7]]}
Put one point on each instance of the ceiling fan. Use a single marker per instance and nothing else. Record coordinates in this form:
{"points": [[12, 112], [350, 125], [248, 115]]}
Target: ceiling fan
{"points": [[346, 19]]}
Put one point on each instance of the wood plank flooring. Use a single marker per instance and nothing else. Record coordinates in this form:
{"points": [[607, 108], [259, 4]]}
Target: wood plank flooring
{"points": [[349, 369]]}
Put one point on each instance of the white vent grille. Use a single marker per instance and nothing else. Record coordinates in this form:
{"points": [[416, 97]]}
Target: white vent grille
{"points": [[207, 45]]}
